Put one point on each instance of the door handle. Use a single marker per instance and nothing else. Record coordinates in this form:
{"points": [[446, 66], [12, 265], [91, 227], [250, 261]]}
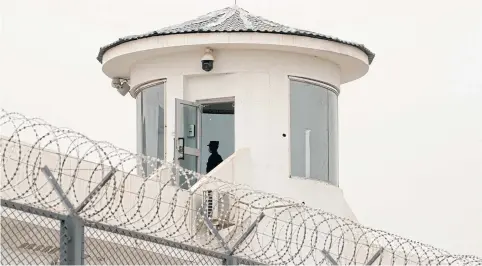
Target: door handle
{"points": [[180, 148]]}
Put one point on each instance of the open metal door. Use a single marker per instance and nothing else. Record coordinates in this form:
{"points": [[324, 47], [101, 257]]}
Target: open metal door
{"points": [[188, 140]]}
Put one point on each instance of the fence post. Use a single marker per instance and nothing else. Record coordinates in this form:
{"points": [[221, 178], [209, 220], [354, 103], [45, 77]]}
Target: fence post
{"points": [[72, 241], [71, 228], [214, 231], [230, 260], [375, 257], [233, 260], [329, 257], [246, 234]]}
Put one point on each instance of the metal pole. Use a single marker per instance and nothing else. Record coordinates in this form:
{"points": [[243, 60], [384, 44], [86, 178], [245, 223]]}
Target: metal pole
{"points": [[375, 257], [31, 209], [246, 234], [71, 228], [58, 189], [213, 230], [329, 257], [72, 241], [95, 191], [230, 261]]}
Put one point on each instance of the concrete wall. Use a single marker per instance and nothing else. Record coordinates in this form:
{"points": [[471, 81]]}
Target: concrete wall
{"points": [[259, 82]]}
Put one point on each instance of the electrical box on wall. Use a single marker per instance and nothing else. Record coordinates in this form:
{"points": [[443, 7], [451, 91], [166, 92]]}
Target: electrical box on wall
{"points": [[191, 131]]}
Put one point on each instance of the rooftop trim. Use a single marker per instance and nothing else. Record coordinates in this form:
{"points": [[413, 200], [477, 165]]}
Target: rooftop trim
{"points": [[231, 19]]}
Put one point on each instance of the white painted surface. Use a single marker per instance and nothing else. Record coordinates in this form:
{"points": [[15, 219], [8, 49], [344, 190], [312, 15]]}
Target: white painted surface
{"points": [[234, 168], [352, 62], [259, 82], [439, 87]]}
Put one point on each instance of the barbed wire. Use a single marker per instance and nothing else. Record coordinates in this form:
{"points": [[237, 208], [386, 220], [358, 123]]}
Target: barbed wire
{"points": [[171, 202]]}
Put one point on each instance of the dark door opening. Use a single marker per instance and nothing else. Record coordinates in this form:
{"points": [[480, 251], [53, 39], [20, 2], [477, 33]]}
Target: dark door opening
{"points": [[217, 125]]}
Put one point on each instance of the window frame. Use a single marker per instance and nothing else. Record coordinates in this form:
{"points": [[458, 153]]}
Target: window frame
{"points": [[149, 84], [137, 92], [331, 88]]}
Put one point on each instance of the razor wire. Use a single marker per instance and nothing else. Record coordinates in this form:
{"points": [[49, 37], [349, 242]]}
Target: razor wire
{"points": [[110, 187]]}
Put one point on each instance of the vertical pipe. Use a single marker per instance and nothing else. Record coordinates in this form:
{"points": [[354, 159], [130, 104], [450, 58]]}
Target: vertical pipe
{"points": [[307, 153]]}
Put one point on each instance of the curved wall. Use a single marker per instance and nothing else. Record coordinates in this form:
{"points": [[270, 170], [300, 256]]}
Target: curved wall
{"points": [[118, 61], [259, 81]]}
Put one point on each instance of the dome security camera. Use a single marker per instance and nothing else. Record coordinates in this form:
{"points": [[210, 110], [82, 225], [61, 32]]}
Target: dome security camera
{"points": [[207, 61], [124, 89], [116, 83], [121, 86]]}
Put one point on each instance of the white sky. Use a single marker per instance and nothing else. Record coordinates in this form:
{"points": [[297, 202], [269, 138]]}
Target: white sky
{"points": [[410, 131]]}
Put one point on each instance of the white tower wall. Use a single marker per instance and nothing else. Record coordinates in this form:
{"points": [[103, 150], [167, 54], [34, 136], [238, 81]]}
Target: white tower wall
{"points": [[259, 81], [255, 62]]}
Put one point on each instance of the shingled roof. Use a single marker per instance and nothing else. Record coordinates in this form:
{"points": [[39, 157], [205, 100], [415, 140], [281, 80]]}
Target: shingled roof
{"points": [[231, 19]]}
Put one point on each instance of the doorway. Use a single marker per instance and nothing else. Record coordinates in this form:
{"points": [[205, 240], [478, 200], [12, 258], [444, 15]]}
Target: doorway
{"points": [[217, 116], [198, 123]]}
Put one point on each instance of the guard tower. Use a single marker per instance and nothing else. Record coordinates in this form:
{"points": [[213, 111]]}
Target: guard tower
{"points": [[267, 92]]}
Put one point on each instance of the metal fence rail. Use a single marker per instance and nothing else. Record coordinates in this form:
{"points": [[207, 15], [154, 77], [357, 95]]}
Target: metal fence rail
{"points": [[106, 210], [28, 236]]}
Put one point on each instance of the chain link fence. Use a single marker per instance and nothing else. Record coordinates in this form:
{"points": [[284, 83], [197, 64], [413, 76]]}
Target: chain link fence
{"points": [[67, 199], [32, 236], [28, 239], [103, 247]]}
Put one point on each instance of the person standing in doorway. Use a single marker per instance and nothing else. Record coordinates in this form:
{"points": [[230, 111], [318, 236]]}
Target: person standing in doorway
{"points": [[214, 159]]}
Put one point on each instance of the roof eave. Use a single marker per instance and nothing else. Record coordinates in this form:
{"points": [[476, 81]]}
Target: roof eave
{"points": [[104, 49]]}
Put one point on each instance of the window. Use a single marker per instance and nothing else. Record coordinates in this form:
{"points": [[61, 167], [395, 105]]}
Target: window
{"points": [[150, 124], [313, 130]]}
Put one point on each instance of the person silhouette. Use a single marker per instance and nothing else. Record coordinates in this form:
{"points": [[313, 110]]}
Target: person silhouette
{"points": [[214, 159]]}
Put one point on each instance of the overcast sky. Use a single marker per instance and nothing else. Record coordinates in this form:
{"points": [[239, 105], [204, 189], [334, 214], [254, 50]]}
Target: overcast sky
{"points": [[410, 131]]}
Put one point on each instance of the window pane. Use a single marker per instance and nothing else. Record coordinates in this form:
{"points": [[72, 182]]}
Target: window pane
{"points": [[333, 137], [150, 124], [187, 180], [310, 130]]}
